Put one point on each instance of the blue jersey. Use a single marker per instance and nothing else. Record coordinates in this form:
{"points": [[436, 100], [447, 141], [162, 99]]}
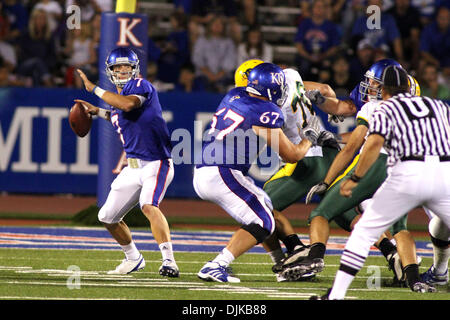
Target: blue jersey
{"points": [[143, 131], [230, 142], [355, 96]]}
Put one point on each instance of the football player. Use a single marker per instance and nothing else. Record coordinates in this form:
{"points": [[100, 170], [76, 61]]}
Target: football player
{"points": [[231, 145], [335, 207], [137, 117]]}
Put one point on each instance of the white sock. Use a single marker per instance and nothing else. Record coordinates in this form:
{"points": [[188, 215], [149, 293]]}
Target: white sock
{"points": [[440, 259], [131, 252], [276, 255], [224, 258], [166, 251], [340, 285]]}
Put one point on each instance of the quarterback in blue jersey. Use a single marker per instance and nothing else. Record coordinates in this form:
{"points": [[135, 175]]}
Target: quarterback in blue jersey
{"points": [[137, 117], [231, 146]]}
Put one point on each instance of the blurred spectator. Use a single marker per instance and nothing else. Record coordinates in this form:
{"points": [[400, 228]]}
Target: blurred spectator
{"points": [[82, 55], [4, 23], [152, 76], [18, 18], [187, 82], [249, 7], [184, 6], [8, 55], [204, 11], [7, 79], [175, 50], [407, 19], [340, 81], [214, 57], [317, 40], [88, 8], [7, 51], [430, 85], [362, 61], [54, 12], [37, 50], [337, 7], [352, 10], [254, 47], [435, 41], [426, 8], [105, 5], [388, 35]]}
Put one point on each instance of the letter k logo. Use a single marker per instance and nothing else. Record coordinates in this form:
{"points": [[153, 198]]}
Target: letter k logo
{"points": [[126, 32]]}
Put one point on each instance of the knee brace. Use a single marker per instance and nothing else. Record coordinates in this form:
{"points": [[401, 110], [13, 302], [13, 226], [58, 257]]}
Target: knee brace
{"points": [[256, 231]]}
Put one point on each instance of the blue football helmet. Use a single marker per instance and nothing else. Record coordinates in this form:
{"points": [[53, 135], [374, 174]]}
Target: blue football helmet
{"points": [[370, 87], [120, 56], [268, 80]]}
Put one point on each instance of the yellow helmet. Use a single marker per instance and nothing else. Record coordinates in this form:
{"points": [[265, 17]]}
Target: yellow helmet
{"points": [[241, 74], [414, 87]]}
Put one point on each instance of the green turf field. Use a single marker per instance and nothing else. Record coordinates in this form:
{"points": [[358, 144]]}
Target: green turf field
{"points": [[77, 274]]}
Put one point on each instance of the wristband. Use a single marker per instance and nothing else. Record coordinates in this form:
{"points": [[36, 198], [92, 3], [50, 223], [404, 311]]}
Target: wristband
{"points": [[355, 178], [103, 113], [99, 92]]}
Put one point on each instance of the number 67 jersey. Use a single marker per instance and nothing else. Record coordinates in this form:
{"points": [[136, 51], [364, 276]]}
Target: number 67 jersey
{"points": [[231, 142]]}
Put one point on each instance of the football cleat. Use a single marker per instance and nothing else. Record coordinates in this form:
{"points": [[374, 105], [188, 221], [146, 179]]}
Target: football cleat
{"points": [[129, 266], [324, 297], [280, 278], [213, 271], [300, 253], [169, 269], [430, 277], [395, 264], [297, 270], [422, 287]]}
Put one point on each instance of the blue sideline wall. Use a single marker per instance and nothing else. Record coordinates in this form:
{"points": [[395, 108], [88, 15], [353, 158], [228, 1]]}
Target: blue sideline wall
{"points": [[40, 154]]}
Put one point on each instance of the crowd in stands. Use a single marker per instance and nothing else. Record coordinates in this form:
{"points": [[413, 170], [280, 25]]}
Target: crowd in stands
{"points": [[335, 42]]}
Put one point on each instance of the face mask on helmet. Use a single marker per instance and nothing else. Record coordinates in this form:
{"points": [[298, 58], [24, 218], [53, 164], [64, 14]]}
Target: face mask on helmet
{"points": [[370, 88], [122, 57]]}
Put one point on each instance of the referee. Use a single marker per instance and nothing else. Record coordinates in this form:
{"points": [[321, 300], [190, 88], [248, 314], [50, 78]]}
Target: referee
{"points": [[416, 133]]}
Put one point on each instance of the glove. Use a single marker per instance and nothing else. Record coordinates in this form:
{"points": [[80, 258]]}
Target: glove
{"points": [[328, 139], [315, 97], [312, 130], [335, 118], [318, 189]]}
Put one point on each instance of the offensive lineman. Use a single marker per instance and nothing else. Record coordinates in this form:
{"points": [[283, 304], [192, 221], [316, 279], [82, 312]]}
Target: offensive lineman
{"points": [[136, 115], [244, 115], [297, 110]]}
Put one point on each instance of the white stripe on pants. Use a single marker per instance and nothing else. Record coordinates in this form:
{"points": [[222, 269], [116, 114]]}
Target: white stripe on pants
{"points": [[410, 184]]}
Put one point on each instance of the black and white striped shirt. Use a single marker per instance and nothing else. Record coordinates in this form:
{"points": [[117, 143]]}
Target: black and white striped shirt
{"points": [[412, 126]]}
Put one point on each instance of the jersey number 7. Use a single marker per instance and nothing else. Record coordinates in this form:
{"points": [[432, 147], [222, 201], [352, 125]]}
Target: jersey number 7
{"points": [[235, 117]]}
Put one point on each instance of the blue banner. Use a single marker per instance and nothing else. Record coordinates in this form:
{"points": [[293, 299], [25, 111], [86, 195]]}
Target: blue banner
{"points": [[40, 154]]}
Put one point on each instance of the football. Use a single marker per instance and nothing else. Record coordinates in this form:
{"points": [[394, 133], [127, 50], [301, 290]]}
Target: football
{"points": [[79, 120]]}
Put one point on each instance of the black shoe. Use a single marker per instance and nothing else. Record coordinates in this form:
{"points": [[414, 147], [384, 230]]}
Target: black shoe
{"points": [[298, 254], [296, 270], [324, 297]]}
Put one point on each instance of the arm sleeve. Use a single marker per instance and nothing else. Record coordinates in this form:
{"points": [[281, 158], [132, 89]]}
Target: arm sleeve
{"points": [[381, 124]]}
